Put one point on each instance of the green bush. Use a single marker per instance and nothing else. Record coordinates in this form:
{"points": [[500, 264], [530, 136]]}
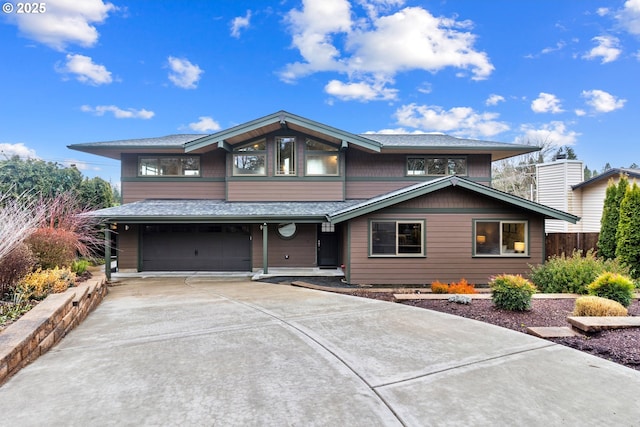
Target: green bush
{"points": [[598, 306], [79, 266], [613, 286], [512, 292], [572, 274]]}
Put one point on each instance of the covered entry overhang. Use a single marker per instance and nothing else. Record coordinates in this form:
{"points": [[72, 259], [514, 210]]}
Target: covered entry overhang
{"points": [[156, 215]]}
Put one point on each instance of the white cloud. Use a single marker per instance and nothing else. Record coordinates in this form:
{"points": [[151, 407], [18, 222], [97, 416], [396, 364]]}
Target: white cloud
{"points": [[546, 103], [377, 47], [19, 149], [65, 22], [629, 16], [461, 121], [360, 91], [85, 70], [580, 112], [118, 113], [205, 124], [183, 73], [607, 49], [240, 23], [494, 99], [601, 101], [554, 133]]}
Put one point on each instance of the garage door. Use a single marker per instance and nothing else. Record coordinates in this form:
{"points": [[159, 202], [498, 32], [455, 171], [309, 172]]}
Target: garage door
{"points": [[207, 247]]}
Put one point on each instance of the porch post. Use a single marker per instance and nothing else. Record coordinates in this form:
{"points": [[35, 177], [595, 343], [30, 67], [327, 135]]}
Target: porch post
{"points": [[107, 253], [265, 254]]}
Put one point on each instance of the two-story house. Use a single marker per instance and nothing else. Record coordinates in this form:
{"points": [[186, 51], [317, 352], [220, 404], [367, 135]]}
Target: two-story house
{"points": [[286, 191]]}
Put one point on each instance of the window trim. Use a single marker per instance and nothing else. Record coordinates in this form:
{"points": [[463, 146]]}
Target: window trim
{"points": [[501, 222], [423, 238], [426, 158], [240, 151], [294, 157], [158, 158]]}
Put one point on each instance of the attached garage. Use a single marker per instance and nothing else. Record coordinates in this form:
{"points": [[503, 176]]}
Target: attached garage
{"points": [[196, 247]]}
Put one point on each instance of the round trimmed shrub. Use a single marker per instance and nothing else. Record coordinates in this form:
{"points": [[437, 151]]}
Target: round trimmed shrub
{"points": [[512, 292], [613, 286], [598, 306]]}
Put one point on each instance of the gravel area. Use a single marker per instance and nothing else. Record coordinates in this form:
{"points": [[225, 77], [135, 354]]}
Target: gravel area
{"points": [[620, 345]]}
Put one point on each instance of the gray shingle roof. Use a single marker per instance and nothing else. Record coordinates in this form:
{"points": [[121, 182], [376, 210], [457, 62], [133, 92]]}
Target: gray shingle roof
{"points": [[168, 141], [219, 210], [432, 141]]}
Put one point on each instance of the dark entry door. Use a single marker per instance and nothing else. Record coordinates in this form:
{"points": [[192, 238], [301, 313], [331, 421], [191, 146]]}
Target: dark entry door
{"points": [[328, 246], [211, 247]]}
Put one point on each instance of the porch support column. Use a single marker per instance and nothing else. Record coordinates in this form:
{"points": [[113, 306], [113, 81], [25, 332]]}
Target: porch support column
{"points": [[107, 253], [265, 253]]}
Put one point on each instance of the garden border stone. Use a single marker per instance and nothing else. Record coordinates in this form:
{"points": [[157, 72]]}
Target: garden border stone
{"points": [[47, 323]]}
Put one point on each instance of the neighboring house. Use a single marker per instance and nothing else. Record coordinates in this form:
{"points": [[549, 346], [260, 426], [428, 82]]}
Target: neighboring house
{"points": [[561, 185], [286, 191]]}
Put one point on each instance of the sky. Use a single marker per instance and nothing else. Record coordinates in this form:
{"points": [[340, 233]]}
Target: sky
{"points": [[559, 72]]}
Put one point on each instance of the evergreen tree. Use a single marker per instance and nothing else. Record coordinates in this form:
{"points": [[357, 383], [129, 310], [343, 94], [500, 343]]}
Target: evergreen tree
{"points": [[610, 217], [628, 235], [587, 173]]}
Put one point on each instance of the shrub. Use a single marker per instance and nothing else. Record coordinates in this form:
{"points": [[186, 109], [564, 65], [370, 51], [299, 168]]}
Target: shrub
{"points": [[39, 284], [572, 274], [598, 306], [14, 309], [439, 288], [462, 287], [52, 247], [79, 266], [511, 292], [613, 286], [13, 267]]}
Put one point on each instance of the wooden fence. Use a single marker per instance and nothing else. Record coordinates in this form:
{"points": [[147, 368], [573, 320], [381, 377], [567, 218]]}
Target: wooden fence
{"points": [[559, 243]]}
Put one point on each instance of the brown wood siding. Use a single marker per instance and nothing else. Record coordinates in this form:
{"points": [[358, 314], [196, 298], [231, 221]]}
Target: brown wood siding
{"points": [[479, 165], [133, 191], [449, 240], [127, 251], [368, 189], [301, 249], [362, 164], [285, 191]]}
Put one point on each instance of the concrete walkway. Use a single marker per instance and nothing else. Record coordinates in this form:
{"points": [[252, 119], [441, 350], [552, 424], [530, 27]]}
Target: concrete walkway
{"points": [[205, 351]]}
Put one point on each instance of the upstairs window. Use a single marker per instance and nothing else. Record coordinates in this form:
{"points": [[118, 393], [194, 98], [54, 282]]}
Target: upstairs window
{"points": [[320, 158], [169, 166], [436, 166], [285, 155], [250, 159]]}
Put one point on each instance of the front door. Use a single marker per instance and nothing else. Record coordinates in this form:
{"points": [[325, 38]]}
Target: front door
{"points": [[328, 245]]}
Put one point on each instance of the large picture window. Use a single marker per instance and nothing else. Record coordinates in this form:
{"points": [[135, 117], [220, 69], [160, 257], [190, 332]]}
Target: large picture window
{"points": [[250, 159], [320, 158], [285, 155], [397, 238], [418, 165], [501, 238], [169, 166]]}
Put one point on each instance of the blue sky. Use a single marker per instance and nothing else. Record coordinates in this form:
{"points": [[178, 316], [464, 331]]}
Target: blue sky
{"points": [[560, 71]]}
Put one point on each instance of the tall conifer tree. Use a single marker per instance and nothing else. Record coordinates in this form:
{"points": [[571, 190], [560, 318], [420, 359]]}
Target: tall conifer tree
{"points": [[628, 235]]}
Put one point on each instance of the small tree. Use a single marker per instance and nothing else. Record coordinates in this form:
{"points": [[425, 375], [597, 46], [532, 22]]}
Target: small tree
{"points": [[628, 235], [610, 217]]}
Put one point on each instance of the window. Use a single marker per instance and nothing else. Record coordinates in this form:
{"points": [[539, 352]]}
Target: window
{"points": [[320, 158], [285, 156], [436, 166], [250, 159], [169, 166], [397, 238], [500, 238]]}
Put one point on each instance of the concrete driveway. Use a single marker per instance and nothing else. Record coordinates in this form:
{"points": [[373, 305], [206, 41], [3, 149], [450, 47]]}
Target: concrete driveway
{"points": [[224, 352]]}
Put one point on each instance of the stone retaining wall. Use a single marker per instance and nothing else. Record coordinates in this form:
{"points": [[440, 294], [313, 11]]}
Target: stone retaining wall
{"points": [[44, 325]]}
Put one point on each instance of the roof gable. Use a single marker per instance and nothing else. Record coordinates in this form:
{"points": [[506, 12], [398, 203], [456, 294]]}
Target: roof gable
{"points": [[280, 120], [610, 173], [416, 190]]}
